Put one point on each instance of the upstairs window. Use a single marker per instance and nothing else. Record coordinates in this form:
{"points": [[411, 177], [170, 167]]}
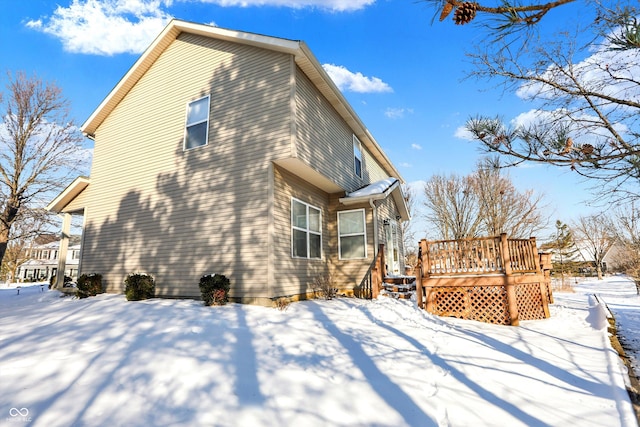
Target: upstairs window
{"points": [[306, 230], [196, 133], [357, 157]]}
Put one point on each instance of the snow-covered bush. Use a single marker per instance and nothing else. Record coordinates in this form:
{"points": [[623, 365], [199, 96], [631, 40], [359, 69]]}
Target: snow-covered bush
{"points": [[89, 285], [139, 287], [214, 289]]}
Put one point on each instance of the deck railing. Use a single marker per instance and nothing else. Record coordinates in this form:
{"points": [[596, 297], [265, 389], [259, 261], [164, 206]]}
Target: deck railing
{"points": [[484, 255], [492, 279], [372, 281]]}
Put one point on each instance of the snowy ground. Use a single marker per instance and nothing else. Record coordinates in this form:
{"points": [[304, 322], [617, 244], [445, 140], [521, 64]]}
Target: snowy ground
{"points": [[104, 361]]}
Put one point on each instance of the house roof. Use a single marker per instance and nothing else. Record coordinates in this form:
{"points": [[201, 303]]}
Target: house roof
{"points": [[303, 58], [379, 190], [72, 191]]}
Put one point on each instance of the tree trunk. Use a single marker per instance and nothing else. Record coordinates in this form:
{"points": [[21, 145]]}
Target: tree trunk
{"points": [[4, 240]]}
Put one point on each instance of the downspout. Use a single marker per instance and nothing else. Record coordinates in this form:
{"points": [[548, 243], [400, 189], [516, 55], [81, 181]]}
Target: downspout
{"points": [[375, 227]]}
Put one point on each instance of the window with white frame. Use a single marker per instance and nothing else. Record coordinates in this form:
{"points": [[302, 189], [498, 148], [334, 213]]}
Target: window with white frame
{"points": [[306, 230], [352, 236], [196, 132], [357, 157]]}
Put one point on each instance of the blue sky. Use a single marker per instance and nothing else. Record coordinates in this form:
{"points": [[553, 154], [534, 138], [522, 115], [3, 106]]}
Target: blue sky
{"points": [[403, 75]]}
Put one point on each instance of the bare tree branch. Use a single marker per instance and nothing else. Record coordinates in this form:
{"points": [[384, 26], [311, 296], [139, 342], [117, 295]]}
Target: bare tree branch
{"points": [[596, 234], [39, 147]]}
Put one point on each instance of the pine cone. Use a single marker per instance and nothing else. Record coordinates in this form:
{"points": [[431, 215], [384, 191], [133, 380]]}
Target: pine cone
{"points": [[587, 149], [465, 13], [446, 10], [568, 146]]}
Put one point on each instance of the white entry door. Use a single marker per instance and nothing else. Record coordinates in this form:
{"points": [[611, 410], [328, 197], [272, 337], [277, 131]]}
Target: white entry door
{"points": [[392, 248]]}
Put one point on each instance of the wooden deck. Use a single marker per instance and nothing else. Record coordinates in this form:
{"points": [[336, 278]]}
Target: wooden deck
{"points": [[493, 279]]}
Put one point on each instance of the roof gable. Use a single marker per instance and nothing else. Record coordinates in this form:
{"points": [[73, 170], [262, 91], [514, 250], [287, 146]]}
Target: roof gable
{"points": [[301, 53]]}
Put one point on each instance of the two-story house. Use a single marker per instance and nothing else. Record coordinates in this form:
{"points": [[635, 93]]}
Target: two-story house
{"points": [[234, 153], [43, 259]]}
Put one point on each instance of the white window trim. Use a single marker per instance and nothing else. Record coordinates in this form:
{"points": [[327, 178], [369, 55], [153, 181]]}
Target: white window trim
{"points": [[357, 156], [364, 233], [293, 227], [187, 124]]}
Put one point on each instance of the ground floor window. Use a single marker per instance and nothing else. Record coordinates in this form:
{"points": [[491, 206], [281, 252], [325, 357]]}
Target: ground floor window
{"points": [[306, 230], [352, 240]]}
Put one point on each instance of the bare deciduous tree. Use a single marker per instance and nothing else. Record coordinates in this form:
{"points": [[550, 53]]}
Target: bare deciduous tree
{"points": [[29, 225], [408, 234], [483, 203], [596, 235], [504, 209], [452, 206], [39, 147], [627, 223]]}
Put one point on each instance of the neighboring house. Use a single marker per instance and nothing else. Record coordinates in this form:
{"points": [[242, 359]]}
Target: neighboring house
{"points": [[612, 260], [234, 153], [42, 262], [583, 253]]}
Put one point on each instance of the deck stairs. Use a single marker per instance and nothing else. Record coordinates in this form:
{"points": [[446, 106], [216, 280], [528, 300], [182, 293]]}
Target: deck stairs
{"points": [[400, 287]]}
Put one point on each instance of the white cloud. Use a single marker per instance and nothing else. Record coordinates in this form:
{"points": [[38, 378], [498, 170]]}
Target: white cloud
{"points": [[109, 27], [355, 82], [105, 27], [607, 70], [462, 133], [397, 113], [416, 146], [405, 165]]}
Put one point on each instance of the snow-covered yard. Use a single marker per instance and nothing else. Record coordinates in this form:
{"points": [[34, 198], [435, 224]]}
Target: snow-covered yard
{"points": [[104, 361]]}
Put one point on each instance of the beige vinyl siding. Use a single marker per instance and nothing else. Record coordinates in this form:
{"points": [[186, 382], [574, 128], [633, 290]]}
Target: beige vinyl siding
{"points": [[156, 209], [349, 273], [371, 169], [294, 275], [325, 140], [78, 203]]}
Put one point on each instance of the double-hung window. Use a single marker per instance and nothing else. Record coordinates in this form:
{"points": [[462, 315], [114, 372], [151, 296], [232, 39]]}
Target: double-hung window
{"points": [[196, 132], [306, 230], [352, 242], [357, 157]]}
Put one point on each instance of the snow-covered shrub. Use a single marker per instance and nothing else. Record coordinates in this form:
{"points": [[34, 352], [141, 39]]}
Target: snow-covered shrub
{"points": [[214, 289], [89, 285], [139, 286], [324, 287]]}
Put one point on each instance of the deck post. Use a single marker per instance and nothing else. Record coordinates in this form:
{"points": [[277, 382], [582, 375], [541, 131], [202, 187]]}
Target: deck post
{"points": [[380, 273], [535, 256], [421, 253], [375, 279], [512, 300]]}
